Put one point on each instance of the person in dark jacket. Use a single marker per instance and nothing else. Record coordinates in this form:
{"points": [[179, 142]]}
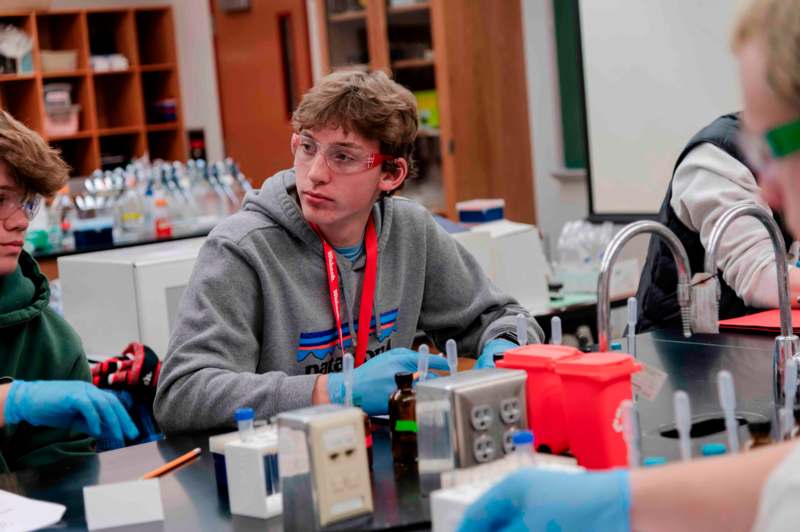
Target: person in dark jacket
{"points": [[711, 175], [48, 409]]}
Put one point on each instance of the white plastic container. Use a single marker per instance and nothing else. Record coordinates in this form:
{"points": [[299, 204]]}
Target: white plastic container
{"points": [[59, 60], [62, 122]]}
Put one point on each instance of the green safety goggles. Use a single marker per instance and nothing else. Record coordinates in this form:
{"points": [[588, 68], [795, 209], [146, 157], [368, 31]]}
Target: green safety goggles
{"points": [[783, 140]]}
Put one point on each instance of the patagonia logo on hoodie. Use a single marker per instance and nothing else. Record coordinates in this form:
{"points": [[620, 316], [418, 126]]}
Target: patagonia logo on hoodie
{"points": [[323, 343]]}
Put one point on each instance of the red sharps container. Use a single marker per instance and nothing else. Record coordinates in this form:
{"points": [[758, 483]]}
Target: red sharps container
{"points": [[545, 400], [594, 387]]}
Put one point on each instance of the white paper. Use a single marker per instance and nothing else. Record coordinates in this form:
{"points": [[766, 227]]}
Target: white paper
{"points": [[123, 503], [649, 381], [22, 514]]}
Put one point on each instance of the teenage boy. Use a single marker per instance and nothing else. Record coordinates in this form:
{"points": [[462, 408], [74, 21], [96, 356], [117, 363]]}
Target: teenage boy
{"points": [[324, 260], [46, 410]]}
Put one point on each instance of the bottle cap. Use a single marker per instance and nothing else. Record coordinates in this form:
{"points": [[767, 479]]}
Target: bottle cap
{"points": [[243, 414], [522, 437], [713, 449], [651, 461], [616, 346], [404, 379]]}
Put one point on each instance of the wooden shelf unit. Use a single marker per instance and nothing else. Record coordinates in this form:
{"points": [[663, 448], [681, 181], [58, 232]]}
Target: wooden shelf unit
{"points": [[117, 117], [470, 52]]}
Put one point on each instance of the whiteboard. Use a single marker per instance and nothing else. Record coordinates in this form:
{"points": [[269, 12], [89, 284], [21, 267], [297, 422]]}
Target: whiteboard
{"points": [[655, 72]]}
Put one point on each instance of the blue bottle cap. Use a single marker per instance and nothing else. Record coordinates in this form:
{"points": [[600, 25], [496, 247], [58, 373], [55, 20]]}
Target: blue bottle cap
{"points": [[522, 437], [713, 449], [651, 461], [243, 414], [616, 346]]}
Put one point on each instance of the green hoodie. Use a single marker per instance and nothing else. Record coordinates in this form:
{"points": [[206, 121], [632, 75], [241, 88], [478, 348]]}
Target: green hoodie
{"points": [[36, 344]]}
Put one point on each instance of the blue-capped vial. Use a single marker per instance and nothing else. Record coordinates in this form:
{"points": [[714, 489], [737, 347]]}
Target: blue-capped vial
{"points": [[244, 420], [523, 441]]}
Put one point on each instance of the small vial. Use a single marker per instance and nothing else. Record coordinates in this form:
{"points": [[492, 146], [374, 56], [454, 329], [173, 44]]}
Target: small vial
{"points": [[244, 420], [759, 434], [523, 447], [403, 420]]}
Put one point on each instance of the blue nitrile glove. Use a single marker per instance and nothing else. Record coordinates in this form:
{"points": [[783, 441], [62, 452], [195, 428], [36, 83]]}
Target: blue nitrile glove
{"points": [[491, 348], [539, 499], [69, 405], [374, 382]]}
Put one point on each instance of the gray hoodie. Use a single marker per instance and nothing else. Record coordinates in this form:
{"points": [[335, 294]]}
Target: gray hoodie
{"points": [[255, 325]]}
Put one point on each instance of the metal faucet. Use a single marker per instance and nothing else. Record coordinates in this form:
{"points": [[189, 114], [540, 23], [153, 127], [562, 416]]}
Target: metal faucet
{"points": [[786, 345], [610, 257]]}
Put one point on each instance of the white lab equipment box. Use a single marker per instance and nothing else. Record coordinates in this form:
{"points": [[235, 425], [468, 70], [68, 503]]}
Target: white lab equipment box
{"points": [[115, 297], [511, 255]]}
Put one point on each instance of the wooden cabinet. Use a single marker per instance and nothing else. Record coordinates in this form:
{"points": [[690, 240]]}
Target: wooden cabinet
{"points": [[470, 52], [121, 110]]}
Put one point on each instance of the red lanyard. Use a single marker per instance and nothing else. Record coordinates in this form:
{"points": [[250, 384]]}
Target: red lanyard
{"points": [[367, 290]]}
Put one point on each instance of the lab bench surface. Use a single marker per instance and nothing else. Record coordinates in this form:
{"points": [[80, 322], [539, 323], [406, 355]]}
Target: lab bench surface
{"points": [[189, 493], [692, 365], [190, 496]]}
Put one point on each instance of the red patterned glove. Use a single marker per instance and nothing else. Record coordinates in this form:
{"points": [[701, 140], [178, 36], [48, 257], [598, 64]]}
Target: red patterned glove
{"points": [[136, 369]]}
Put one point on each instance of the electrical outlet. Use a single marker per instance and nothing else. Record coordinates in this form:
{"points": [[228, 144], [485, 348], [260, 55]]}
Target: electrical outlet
{"points": [[509, 411], [508, 441], [481, 417], [325, 477], [483, 448]]}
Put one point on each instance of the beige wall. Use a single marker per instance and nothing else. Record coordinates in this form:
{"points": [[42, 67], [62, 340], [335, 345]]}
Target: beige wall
{"points": [[196, 63]]}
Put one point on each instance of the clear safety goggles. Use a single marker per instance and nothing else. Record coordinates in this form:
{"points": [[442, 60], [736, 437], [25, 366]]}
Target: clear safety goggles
{"points": [[11, 202], [339, 159]]}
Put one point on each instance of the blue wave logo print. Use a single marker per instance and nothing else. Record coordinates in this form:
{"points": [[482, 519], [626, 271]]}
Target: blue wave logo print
{"points": [[321, 344]]}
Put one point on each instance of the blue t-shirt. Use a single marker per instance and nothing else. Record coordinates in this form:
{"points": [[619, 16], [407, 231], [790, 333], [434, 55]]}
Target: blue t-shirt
{"points": [[351, 253]]}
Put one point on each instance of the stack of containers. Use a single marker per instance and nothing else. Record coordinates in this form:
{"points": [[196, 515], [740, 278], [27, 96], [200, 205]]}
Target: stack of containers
{"points": [[574, 400], [61, 116]]}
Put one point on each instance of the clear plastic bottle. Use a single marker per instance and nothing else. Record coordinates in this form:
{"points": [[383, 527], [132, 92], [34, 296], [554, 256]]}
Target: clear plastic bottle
{"points": [[131, 210], [163, 225]]}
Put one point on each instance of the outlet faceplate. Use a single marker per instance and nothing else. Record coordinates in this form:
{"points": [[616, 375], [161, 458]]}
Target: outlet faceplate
{"points": [[484, 449], [481, 417], [510, 411]]}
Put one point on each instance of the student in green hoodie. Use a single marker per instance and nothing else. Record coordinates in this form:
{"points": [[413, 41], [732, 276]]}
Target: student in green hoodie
{"points": [[47, 408]]}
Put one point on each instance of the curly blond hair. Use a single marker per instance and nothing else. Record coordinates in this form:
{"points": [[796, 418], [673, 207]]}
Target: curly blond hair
{"points": [[370, 104], [30, 162], [777, 22]]}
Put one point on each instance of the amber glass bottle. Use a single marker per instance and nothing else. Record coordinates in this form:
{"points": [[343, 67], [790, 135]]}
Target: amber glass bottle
{"points": [[403, 419]]}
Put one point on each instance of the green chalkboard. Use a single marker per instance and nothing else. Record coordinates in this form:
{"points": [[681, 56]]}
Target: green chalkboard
{"points": [[570, 73]]}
